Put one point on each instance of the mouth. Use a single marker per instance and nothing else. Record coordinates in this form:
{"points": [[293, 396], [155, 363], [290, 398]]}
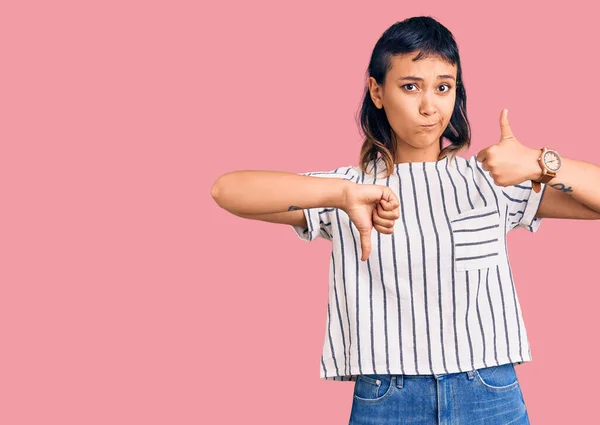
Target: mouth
{"points": [[429, 127]]}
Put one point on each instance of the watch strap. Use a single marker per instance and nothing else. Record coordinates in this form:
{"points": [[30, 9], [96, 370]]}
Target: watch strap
{"points": [[546, 177]]}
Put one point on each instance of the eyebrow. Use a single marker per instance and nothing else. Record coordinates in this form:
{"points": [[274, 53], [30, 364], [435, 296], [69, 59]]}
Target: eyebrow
{"points": [[411, 78]]}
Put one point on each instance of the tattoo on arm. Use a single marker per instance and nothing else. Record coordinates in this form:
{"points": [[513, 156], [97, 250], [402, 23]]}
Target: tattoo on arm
{"points": [[293, 208], [562, 188]]}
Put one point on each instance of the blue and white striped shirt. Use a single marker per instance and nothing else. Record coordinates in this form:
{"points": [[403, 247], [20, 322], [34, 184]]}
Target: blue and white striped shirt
{"points": [[437, 295]]}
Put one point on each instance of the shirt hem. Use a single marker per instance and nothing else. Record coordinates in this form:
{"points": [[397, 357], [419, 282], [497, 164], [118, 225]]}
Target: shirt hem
{"points": [[477, 365]]}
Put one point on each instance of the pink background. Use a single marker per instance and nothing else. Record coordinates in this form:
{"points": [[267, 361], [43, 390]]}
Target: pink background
{"points": [[129, 297]]}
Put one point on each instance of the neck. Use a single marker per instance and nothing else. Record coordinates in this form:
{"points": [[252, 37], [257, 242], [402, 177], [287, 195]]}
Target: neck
{"points": [[408, 153]]}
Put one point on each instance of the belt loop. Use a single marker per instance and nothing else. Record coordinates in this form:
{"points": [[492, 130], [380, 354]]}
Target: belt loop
{"points": [[399, 380], [470, 374]]}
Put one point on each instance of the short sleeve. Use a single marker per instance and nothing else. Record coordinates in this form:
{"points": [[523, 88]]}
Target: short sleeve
{"points": [[319, 219], [523, 203]]}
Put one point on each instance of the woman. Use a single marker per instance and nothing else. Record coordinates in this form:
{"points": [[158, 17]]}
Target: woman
{"points": [[423, 313]]}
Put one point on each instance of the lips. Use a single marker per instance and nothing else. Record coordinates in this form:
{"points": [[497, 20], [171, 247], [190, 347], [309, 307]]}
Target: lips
{"points": [[429, 127]]}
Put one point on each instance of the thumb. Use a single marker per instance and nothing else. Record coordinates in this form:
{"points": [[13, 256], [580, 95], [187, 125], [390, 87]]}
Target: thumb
{"points": [[505, 130], [482, 154], [365, 243]]}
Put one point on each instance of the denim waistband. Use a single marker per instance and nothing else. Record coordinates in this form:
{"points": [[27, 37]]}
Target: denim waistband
{"points": [[399, 379]]}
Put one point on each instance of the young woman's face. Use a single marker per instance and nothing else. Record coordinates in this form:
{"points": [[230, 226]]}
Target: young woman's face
{"points": [[416, 94]]}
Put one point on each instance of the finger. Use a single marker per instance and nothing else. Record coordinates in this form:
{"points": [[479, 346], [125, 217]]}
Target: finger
{"points": [[505, 130], [389, 203], [386, 205], [482, 155], [377, 219], [485, 166], [388, 215], [384, 230]]}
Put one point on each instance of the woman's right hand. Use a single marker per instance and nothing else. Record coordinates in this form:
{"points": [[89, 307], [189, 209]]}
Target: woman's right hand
{"points": [[368, 206]]}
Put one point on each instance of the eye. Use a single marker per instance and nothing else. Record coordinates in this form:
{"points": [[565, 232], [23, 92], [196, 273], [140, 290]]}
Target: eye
{"points": [[408, 86]]}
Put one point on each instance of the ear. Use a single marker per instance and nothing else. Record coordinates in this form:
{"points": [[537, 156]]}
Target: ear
{"points": [[375, 92]]}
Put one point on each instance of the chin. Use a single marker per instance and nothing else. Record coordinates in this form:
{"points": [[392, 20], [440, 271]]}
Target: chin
{"points": [[421, 140]]}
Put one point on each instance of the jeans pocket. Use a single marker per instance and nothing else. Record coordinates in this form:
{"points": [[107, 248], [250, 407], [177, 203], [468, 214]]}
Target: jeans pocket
{"points": [[476, 235], [498, 378], [372, 388]]}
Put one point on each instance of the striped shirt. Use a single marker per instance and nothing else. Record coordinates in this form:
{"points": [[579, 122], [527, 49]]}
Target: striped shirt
{"points": [[435, 296]]}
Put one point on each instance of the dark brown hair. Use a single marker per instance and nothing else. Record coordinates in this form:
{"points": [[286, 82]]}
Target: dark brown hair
{"points": [[430, 38]]}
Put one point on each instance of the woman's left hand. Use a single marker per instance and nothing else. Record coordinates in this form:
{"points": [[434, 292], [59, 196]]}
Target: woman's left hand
{"points": [[509, 162]]}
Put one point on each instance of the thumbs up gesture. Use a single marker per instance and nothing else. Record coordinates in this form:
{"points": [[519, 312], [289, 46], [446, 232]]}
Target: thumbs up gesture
{"points": [[509, 162], [371, 206]]}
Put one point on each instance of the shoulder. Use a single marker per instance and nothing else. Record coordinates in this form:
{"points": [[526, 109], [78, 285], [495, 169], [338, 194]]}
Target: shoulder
{"points": [[470, 162], [464, 161]]}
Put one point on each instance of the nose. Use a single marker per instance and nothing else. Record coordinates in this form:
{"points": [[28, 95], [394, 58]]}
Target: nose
{"points": [[427, 106]]}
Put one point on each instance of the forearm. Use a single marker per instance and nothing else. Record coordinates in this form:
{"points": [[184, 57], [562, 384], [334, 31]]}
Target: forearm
{"points": [[578, 179], [264, 192]]}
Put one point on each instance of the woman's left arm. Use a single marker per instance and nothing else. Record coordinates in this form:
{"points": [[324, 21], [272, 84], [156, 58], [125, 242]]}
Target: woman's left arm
{"points": [[573, 193]]}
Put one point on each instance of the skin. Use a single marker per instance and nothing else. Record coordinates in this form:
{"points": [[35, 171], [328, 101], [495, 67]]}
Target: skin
{"points": [[410, 103]]}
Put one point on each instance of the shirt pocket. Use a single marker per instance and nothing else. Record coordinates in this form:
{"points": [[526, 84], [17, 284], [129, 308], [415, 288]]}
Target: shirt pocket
{"points": [[476, 235]]}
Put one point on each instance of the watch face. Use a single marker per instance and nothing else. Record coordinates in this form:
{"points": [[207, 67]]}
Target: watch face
{"points": [[552, 160]]}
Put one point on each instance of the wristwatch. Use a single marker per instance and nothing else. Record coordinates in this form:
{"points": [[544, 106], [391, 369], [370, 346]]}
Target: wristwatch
{"points": [[550, 162]]}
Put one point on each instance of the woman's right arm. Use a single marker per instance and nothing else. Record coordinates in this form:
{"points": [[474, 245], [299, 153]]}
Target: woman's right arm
{"points": [[279, 197], [271, 195]]}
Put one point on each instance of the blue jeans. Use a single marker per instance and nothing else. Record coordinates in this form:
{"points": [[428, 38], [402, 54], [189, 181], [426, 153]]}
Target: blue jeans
{"points": [[486, 396]]}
